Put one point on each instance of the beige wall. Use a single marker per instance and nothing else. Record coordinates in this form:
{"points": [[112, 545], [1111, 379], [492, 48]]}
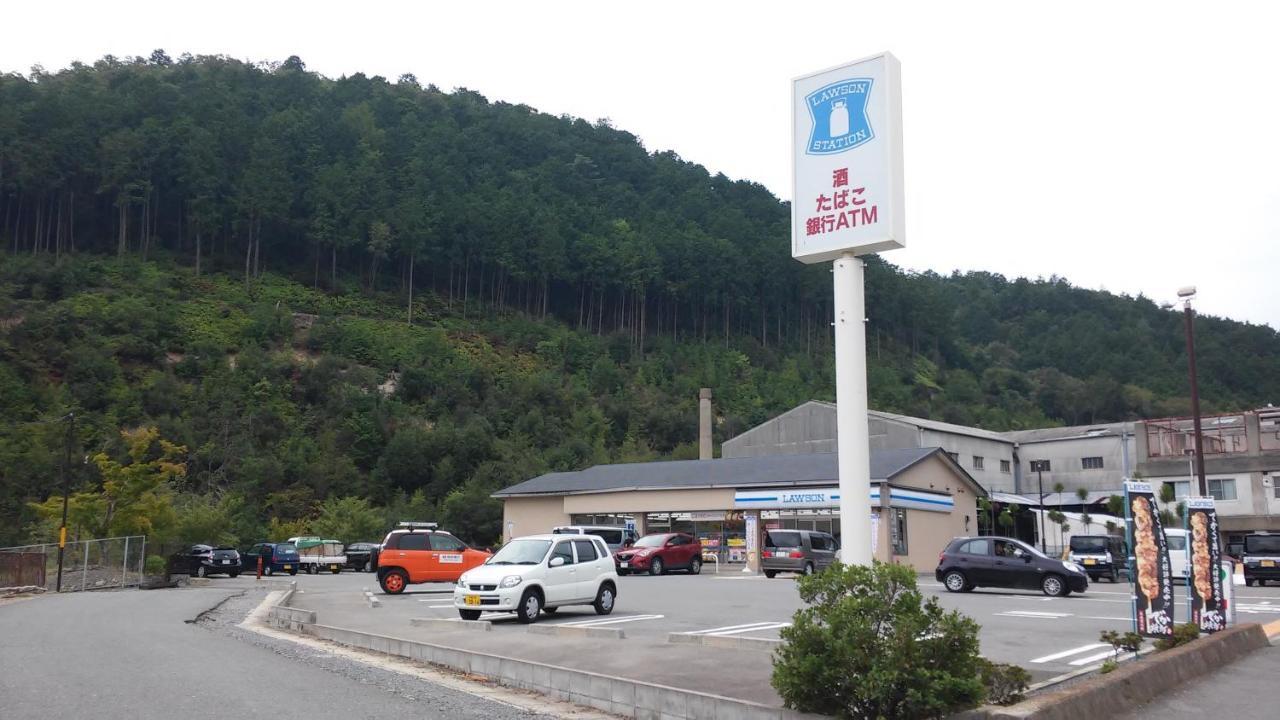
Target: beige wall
{"points": [[929, 532], [532, 515]]}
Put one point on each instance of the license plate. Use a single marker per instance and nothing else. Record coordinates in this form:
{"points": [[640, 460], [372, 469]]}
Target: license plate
{"points": [[333, 567], [226, 562], [288, 567], [625, 565], [1268, 563], [471, 600], [1090, 561]]}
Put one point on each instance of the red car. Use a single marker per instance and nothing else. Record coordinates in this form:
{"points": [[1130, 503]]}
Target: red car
{"points": [[656, 554]]}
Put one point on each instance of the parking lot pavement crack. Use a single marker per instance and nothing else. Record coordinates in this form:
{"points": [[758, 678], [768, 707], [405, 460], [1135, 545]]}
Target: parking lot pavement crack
{"points": [[216, 606]]}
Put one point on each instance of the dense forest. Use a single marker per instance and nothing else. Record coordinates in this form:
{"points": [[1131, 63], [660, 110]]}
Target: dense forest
{"points": [[276, 301]]}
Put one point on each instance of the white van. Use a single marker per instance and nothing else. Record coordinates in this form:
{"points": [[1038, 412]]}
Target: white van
{"points": [[1176, 539], [615, 537]]}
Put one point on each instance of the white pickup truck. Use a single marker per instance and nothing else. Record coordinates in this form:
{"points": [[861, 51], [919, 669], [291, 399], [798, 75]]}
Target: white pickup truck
{"points": [[315, 554]]}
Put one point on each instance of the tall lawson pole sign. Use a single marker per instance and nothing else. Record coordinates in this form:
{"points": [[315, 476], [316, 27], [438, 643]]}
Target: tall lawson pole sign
{"points": [[846, 149]]}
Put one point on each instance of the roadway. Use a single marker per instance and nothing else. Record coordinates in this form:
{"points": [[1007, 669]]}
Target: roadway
{"points": [[132, 655]]}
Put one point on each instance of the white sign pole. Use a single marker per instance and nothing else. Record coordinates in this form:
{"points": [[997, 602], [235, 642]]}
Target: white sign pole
{"points": [[846, 149], [852, 439]]}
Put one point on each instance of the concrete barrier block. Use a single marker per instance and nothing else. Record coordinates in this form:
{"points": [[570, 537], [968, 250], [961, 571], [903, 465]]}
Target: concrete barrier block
{"points": [[541, 676], [601, 688], [562, 680], [447, 624], [582, 632], [674, 704], [683, 638]]}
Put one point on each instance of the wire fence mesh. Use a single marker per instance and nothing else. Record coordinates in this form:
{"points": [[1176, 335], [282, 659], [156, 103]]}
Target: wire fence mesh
{"points": [[86, 564]]}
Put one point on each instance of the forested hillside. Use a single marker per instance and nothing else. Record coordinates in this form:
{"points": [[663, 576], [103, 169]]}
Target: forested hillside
{"points": [[346, 300]]}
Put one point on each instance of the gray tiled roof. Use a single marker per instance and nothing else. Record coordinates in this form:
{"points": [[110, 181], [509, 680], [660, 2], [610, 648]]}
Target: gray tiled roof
{"points": [[775, 470], [1071, 432]]}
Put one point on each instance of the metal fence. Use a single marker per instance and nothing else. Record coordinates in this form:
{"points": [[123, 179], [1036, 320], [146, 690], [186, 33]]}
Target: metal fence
{"points": [[86, 564]]}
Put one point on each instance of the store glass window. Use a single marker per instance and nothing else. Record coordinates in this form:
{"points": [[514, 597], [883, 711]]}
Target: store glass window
{"points": [[1222, 489], [898, 531]]}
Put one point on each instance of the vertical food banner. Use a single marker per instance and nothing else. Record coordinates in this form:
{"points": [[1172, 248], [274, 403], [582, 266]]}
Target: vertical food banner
{"points": [[1153, 585], [1204, 582]]}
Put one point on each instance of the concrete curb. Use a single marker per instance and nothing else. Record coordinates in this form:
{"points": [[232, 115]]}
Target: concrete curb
{"points": [[1135, 683], [620, 696], [283, 617], [575, 631], [1272, 629], [451, 624], [725, 641], [371, 600]]}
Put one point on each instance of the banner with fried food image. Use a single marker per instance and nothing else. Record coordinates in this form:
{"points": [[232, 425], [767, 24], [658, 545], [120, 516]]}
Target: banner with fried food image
{"points": [[1203, 559], [1153, 584]]}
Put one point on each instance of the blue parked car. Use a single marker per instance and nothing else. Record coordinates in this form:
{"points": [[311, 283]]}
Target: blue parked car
{"points": [[276, 557]]}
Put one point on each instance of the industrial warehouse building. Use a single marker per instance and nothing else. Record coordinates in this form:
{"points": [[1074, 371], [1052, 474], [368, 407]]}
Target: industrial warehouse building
{"points": [[920, 499]]}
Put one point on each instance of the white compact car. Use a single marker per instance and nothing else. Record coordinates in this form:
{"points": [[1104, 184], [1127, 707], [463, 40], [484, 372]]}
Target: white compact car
{"points": [[540, 573]]}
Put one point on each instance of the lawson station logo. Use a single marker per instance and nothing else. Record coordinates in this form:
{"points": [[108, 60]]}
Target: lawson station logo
{"points": [[839, 115]]}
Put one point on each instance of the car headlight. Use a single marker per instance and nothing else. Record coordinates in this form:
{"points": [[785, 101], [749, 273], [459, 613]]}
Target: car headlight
{"points": [[462, 582], [1072, 567], [511, 581]]}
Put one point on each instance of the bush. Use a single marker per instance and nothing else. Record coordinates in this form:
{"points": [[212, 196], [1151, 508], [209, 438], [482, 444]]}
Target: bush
{"points": [[154, 565], [1182, 634], [870, 645], [1108, 666], [1005, 684]]}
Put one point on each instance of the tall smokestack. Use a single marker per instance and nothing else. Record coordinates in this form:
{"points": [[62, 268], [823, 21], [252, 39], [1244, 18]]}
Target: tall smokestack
{"points": [[704, 424]]}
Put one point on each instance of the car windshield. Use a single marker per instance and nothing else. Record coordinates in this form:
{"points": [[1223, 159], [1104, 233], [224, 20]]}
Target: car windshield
{"points": [[285, 549], [521, 552], [1262, 544], [1089, 544], [651, 541]]}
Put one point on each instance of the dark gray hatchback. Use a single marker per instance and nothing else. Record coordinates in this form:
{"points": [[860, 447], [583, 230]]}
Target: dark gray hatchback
{"points": [[967, 563]]}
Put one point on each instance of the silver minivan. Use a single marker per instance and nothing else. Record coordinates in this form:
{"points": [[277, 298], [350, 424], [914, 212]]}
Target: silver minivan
{"points": [[797, 551], [615, 537]]}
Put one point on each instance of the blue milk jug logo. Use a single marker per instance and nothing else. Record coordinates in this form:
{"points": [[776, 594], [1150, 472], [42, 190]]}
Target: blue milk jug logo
{"points": [[839, 115]]}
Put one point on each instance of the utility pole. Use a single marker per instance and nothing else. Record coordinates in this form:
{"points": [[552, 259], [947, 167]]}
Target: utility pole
{"points": [[1187, 293], [66, 491]]}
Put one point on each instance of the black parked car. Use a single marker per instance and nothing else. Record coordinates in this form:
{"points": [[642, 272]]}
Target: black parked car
{"points": [[362, 556], [205, 560], [967, 563]]}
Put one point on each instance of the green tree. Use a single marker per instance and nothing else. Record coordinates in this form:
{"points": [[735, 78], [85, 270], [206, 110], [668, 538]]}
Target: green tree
{"points": [[349, 519]]}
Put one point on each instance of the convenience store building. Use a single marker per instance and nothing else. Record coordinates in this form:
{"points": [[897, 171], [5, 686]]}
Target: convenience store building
{"points": [[920, 499]]}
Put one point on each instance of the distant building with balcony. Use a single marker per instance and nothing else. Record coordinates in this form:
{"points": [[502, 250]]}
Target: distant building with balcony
{"points": [[1241, 464]]}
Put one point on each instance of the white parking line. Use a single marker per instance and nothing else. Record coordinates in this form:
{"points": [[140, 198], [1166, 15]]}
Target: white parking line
{"points": [[1101, 617], [1093, 658], [727, 627], [766, 626], [1031, 614], [611, 621], [1068, 653]]}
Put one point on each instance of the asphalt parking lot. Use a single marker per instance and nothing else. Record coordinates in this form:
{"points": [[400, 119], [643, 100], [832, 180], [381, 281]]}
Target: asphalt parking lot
{"points": [[1047, 636]]}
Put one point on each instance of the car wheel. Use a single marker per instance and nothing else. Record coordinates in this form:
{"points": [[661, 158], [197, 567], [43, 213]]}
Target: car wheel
{"points": [[202, 572], [529, 607], [394, 582], [955, 581], [293, 571], [808, 568], [269, 570], [657, 567], [368, 567], [1053, 586], [695, 566], [551, 611], [604, 599], [469, 614], [770, 573], [235, 574], [622, 572]]}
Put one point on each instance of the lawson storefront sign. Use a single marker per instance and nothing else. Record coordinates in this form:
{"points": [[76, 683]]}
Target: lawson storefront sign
{"points": [[829, 497]]}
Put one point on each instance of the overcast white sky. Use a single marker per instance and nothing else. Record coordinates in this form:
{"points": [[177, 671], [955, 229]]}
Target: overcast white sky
{"points": [[1128, 146]]}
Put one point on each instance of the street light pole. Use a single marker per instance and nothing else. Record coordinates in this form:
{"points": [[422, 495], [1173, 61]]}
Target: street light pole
{"points": [[1186, 294], [1038, 466]]}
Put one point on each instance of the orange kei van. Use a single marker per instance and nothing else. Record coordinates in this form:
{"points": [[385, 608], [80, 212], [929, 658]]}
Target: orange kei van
{"points": [[421, 553]]}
